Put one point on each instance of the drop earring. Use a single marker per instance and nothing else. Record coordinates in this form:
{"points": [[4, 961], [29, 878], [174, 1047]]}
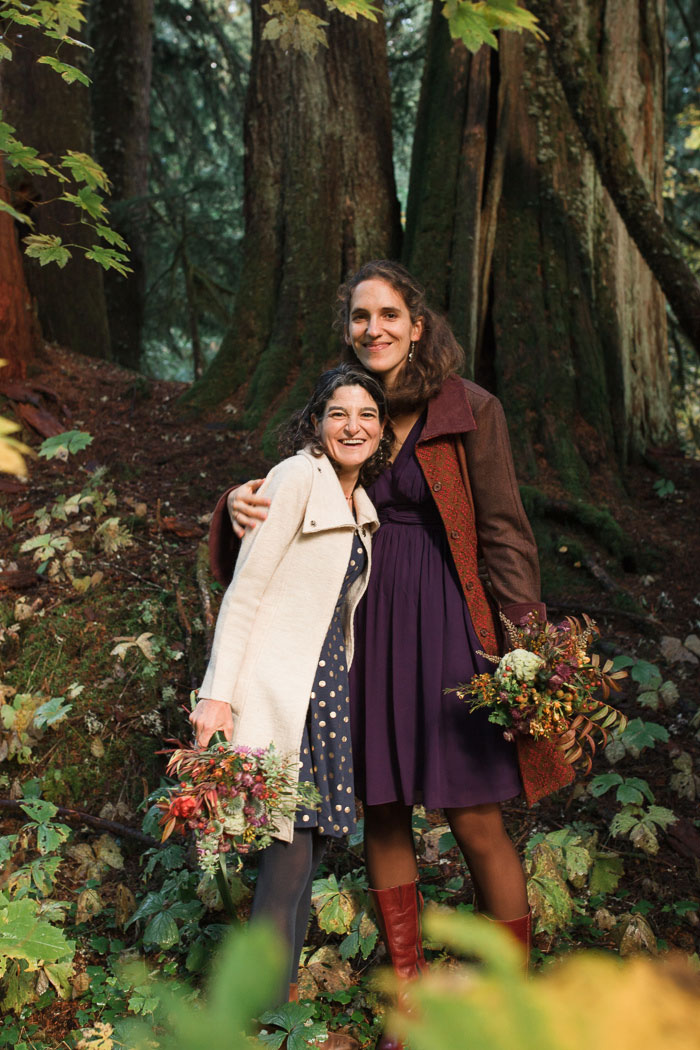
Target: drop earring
{"points": [[411, 350]]}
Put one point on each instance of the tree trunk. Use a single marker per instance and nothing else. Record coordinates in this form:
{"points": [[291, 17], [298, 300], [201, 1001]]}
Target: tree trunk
{"points": [[597, 120], [18, 330], [54, 117], [319, 200], [556, 309], [121, 32]]}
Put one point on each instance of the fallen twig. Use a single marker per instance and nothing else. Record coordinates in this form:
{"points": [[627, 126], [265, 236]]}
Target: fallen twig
{"points": [[78, 816]]}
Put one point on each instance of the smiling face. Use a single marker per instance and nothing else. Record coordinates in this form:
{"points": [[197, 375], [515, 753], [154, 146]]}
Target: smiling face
{"points": [[380, 329], [349, 429]]}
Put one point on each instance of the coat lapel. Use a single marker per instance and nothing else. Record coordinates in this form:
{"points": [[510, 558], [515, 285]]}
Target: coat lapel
{"points": [[327, 507], [449, 412]]}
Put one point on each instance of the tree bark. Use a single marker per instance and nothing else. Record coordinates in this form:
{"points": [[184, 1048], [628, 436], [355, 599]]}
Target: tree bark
{"points": [[597, 118], [121, 32], [19, 334], [319, 200], [54, 117], [556, 309]]}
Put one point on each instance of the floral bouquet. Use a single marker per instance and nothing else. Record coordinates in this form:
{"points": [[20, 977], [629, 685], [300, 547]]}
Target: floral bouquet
{"points": [[232, 798], [545, 686]]}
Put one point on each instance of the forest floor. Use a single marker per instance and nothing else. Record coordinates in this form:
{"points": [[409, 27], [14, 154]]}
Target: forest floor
{"points": [[132, 573]]}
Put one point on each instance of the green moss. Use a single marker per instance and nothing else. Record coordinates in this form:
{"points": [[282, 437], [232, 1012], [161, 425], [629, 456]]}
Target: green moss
{"points": [[596, 523]]}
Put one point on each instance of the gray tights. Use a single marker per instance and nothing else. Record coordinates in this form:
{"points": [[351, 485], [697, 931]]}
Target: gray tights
{"points": [[283, 892]]}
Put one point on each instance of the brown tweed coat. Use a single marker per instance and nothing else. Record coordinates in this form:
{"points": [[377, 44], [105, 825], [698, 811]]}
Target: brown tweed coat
{"points": [[464, 452]]}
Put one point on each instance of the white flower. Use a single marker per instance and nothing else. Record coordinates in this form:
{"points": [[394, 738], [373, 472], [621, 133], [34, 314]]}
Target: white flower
{"points": [[520, 663]]}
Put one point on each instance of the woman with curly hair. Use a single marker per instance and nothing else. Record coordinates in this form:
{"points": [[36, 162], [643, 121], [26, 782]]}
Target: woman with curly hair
{"points": [[283, 646]]}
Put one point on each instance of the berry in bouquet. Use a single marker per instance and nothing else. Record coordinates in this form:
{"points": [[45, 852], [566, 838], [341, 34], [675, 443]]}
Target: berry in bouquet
{"points": [[547, 686], [232, 798]]}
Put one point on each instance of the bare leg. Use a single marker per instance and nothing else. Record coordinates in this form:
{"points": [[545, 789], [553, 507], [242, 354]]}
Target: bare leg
{"points": [[390, 854], [492, 859]]}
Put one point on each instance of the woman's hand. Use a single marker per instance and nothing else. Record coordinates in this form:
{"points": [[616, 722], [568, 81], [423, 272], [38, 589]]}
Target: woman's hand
{"points": [[246, 508], [210, 716]]}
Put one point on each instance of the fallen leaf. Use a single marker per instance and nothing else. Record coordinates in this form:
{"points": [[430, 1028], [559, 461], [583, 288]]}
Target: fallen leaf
{"points": [[692, 643], [97, 748], [80, 984], [107, 852], [674, 651], [634, 935], [88, 905], [124, 905], [45, 423]]}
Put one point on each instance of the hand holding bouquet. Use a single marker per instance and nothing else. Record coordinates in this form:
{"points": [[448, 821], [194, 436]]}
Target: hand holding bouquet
{"points": [[544, 687], [232, 798]]}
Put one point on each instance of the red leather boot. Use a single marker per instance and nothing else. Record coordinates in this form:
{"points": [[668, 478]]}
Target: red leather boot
{"points": [[521, 929], [398, 911]]}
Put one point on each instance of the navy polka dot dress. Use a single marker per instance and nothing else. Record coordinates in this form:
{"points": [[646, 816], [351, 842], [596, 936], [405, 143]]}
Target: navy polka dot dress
{"points": [[326, 752]]}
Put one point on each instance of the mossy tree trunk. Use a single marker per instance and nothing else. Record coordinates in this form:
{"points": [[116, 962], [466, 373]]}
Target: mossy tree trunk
{"points": [[54, 117], [558, 312], [121, 32], [18, 331], [319, 200]]}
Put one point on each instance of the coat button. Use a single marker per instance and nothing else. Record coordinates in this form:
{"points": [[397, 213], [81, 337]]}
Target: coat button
{"points": [[454, 534], [482, 632], [312, 524], [470, 585], [437, 486]]}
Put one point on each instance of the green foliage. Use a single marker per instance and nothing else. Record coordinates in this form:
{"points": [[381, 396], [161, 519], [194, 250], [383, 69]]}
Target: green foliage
{"points": [[30, 942], [642, 825], [23, 720], [67, 72], [294, 27], [629, 789], [589, 1000], [640, 734], [63, 445], [664, 488], [250, 962], [476, 23], [292, 1024], [54, 19]]}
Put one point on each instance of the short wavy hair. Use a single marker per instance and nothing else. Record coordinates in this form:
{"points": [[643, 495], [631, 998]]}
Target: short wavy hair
{"points": [[300, 431], [437, 353]]}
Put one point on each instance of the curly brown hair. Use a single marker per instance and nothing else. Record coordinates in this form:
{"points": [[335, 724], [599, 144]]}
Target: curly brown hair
{"points": [[436, 355], [300, 431]]}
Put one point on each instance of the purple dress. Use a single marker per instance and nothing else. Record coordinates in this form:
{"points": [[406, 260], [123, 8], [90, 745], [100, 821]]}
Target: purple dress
{"points": [[412, 742]]}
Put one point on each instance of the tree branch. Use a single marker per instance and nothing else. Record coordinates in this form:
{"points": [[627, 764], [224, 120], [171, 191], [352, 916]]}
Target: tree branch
{"points": [[79, 816], [597, 122]]}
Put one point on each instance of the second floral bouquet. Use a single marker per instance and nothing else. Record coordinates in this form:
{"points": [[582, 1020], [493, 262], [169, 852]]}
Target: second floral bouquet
{"points": [[550, 686]]}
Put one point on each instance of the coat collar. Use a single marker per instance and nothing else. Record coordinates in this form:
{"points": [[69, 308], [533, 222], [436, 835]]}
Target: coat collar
{"points": [[449, 412], [327, 507]]}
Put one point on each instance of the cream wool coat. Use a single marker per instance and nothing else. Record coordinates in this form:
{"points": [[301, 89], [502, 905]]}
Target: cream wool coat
{"points": [[277, 609]]}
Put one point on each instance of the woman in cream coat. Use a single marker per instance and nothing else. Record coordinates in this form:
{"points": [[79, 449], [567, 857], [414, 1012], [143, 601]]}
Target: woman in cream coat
{"points": [[283, 644]]}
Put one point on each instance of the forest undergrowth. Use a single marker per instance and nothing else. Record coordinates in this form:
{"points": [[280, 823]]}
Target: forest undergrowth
{"points": [[106, 611]]}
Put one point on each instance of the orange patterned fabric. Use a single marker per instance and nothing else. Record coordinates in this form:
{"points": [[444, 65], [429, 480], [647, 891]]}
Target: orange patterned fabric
{"points": [[542, 767], [440, 468]]}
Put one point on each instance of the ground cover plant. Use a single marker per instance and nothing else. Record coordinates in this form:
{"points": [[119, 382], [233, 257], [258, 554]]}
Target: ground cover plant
{"points": [[106, 609]]}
